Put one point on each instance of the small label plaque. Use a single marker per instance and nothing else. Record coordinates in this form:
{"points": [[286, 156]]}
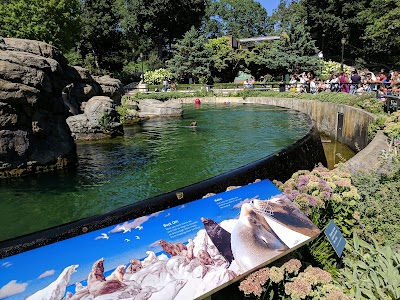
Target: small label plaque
{"points": [[335, 237]]}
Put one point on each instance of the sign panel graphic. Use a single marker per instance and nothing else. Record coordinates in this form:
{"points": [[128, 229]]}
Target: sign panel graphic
{"points": [[184, 252]]}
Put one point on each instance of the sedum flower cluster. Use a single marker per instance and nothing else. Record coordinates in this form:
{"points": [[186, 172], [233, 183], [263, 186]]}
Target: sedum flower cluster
{"points": [[322, 194], [253, 284], [312, 283]]}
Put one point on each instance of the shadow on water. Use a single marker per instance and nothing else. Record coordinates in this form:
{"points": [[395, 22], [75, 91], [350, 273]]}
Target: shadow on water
{"points": [[335, 152]]}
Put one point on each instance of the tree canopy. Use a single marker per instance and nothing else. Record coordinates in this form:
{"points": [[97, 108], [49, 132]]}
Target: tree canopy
{"points": [[239, 18], [156, 24], [108, 35], [101, 36], [191, 58], [56, 22]]}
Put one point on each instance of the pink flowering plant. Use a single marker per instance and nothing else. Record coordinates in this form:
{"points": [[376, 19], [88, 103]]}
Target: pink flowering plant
{"points": [[324, 195], [287, 282]]}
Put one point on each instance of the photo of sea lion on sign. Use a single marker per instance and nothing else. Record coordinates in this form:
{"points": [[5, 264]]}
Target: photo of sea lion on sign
{"points": [[285, 212], [253, 241]]}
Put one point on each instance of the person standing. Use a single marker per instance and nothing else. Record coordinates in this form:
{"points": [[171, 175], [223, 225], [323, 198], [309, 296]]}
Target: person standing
{"points": [[344, 82], [355, 81], [165, 84]]}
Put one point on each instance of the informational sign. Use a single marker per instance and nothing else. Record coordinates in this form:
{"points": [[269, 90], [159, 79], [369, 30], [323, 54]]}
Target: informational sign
{"points": [[335, 237], [185, 252]]}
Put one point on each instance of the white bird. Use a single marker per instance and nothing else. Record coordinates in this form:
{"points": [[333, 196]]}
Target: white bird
{"points": [[137, 237], [127, 230], [139, 227], [127, 240], [102, 236]]}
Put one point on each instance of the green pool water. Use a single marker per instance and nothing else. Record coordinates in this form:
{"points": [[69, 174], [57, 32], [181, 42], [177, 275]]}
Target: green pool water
{"points": [[155, 157]]}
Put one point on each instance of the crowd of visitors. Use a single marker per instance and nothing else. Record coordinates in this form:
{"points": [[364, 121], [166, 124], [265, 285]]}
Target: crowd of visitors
{"points": [[382, 83]]}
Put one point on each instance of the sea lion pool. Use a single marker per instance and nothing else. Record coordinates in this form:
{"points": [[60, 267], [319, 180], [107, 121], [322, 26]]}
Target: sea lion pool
{"points": [[158, 156]]}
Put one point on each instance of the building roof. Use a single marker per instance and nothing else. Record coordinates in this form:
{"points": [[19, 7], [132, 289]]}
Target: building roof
{"points": [[259, 39]]}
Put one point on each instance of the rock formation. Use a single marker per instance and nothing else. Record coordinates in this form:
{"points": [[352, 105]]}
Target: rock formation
{"points": [[34, 136], [155, 108], [98, 120], [38, 91]]}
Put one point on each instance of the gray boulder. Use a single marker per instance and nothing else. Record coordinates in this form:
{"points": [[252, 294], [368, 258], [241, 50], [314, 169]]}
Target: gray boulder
{"points": [[111, 87], [154, 108], [34, 136], [99, 120], [80, 86]]}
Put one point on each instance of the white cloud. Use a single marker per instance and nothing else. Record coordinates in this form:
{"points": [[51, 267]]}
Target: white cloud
{"points": [[46, 274], [6, 264], [12, 288]]}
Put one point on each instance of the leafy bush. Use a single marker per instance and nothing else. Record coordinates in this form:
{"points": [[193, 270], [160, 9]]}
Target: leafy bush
{"points": [[377, 124], [324, 195], [105, 123], [156, 76], [331, 66], [369, 103], [371, 271], [392, 126], [379, 191]]}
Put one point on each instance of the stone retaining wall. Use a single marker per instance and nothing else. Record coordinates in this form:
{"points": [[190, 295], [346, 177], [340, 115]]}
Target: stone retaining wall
{"points": [[354, 131]]}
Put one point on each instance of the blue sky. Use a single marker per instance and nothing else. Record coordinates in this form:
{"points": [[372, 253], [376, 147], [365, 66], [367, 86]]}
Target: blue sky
{"points": [[269, 5]]}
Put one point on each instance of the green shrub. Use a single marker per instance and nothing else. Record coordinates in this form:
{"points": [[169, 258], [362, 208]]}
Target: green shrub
{"points": [[379, 191], [392, 126], [330, 66], [156, 76], [371, 271], [377, 124], [105, 123]]}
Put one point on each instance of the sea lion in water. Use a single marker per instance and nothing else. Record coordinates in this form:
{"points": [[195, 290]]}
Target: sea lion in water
{"points": [[193, 124], [219, 237], [285, 212], [253, 241], [97, 283]]}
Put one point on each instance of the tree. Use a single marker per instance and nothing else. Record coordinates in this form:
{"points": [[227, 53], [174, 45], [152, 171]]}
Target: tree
{"points": [[224, 59], [382, 29], [285, 12], [158, 23], [191, 58], [101, 43], [330, 21], [53, 21], [239, 18], [294, 52]]}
